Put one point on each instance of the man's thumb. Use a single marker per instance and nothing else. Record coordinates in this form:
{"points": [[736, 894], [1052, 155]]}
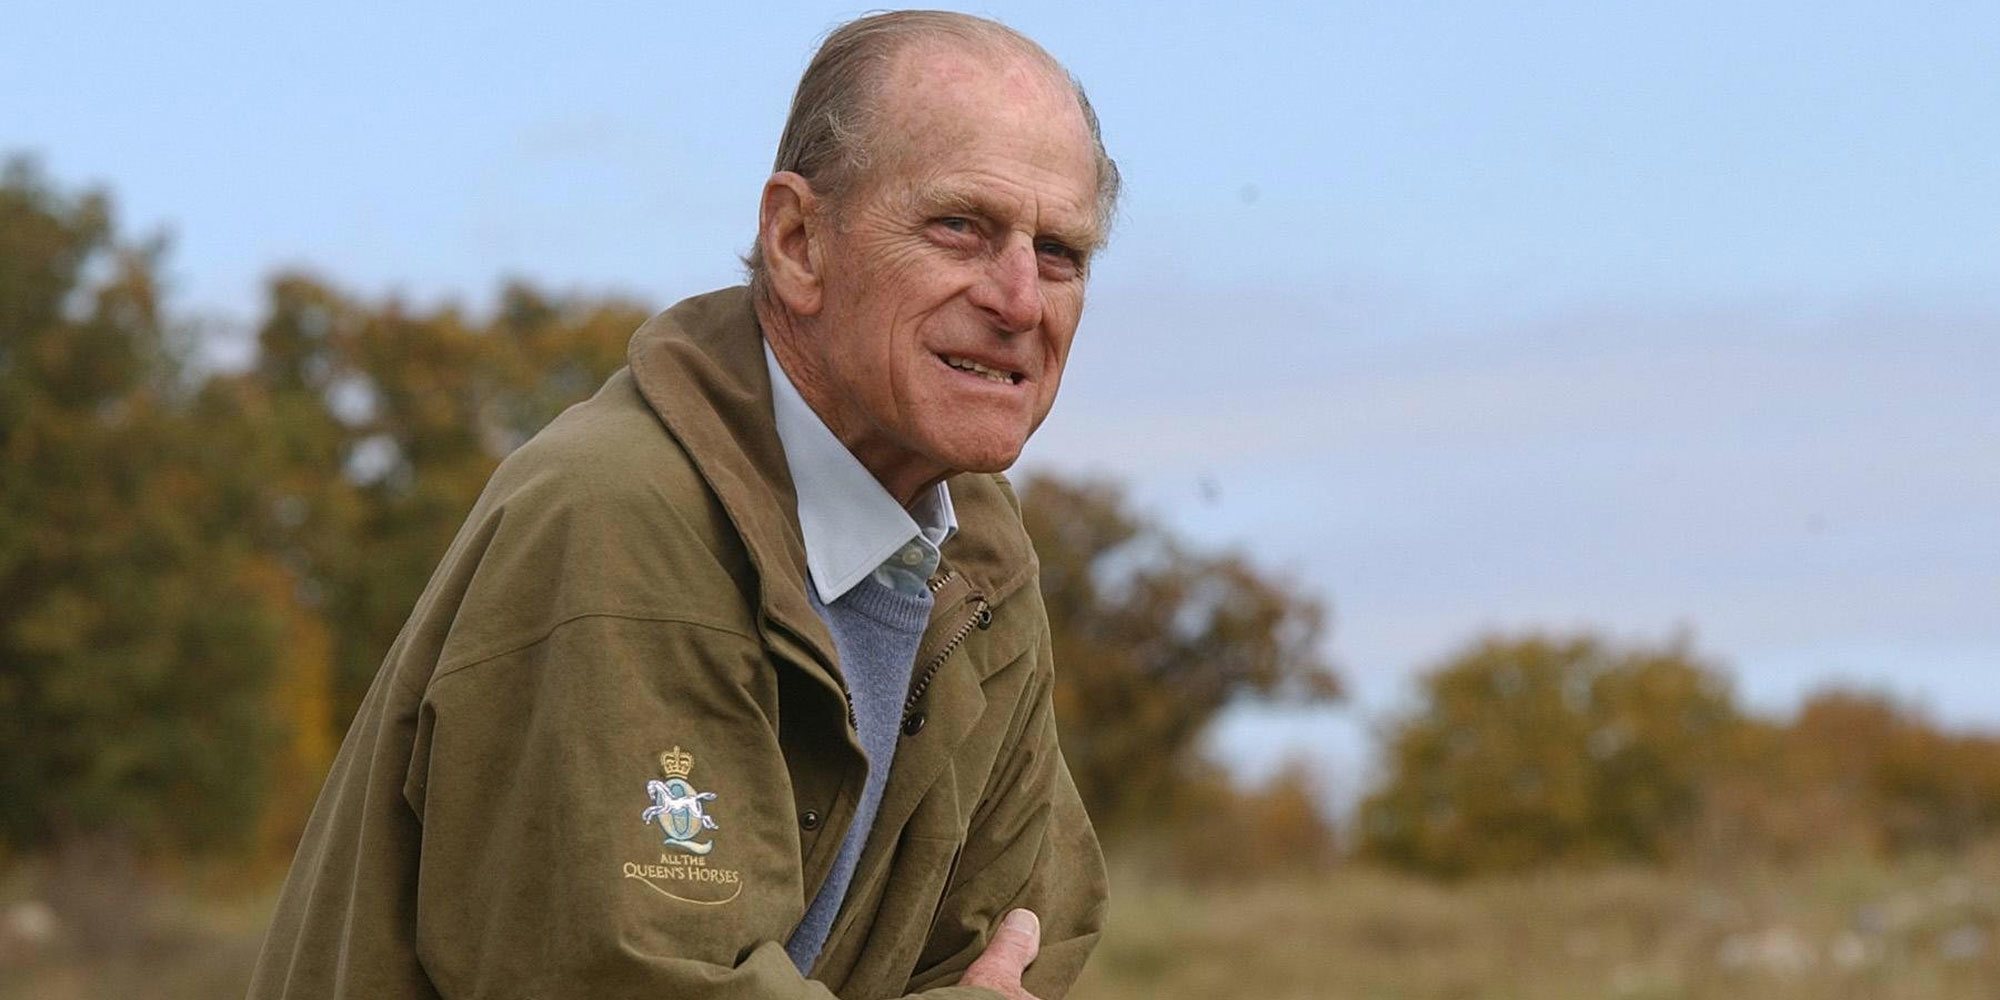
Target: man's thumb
{"points": [[1016, 943]]}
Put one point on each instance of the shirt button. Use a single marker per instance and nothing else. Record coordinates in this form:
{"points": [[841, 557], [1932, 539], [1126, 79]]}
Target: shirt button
{"points": [[912, 556], [914, 724], [809, 819]]}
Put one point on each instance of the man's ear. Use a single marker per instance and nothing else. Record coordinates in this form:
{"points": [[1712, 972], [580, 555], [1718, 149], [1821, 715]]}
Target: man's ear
{"points": [[788, 232]]}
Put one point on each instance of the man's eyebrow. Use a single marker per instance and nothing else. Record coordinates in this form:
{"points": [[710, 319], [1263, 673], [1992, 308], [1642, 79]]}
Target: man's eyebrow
{"points": [[935, 201], [949, 201]]}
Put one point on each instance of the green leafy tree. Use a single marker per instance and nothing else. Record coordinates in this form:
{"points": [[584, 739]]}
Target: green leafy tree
{"points": [[139, 626], [1152, 640]]}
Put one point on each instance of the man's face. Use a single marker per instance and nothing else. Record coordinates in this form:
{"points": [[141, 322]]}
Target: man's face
{"points": [[954, 274]]}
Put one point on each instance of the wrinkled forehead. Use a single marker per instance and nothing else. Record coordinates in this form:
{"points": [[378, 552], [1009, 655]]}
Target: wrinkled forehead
{"points": [[938, 102], [932, 87]]}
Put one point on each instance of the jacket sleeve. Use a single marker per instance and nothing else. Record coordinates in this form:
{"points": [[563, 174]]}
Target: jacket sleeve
{"points": [[1030, 845], [539, 875]]}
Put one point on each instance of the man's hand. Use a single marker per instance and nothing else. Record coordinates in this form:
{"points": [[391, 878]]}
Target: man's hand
{"points": [[1014, 945]]}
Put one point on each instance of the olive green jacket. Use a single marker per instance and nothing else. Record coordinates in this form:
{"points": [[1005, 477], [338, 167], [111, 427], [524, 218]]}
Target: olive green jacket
{"points": [[611, 754]]}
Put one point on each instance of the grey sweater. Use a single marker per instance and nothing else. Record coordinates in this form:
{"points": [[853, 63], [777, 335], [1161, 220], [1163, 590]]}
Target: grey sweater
{"points": [[876, 630]]}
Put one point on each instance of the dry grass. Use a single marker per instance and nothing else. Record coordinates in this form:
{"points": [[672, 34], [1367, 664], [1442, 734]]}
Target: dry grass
{"points": [[1920, 931], [106, 937]]}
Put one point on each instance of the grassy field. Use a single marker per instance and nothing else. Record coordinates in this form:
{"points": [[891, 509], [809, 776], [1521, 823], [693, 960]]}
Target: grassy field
{"points": [[1918, 931]]}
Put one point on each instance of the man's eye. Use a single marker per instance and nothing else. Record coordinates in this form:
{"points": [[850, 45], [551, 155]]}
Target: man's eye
{"points": [[1051, 248], [956, 223]]}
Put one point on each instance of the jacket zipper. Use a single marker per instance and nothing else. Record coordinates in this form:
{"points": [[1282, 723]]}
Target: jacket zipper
{"points": [[982, 617]]}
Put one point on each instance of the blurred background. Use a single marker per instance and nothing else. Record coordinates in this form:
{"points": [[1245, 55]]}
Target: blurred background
{"points": [[1521, 519]]}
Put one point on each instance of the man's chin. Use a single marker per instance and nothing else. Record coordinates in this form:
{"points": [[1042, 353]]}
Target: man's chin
{"points": [[988, 457]]}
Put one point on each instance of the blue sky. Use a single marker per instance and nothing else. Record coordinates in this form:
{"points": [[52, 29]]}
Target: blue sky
{"points": [[1645, 318]]}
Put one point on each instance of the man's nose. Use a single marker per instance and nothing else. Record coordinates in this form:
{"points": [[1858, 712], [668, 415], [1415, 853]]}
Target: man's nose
{"points": [[1011, 290]]}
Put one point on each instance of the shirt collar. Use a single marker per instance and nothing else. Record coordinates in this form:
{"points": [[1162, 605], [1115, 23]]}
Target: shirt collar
{"points": [[851, 525]]}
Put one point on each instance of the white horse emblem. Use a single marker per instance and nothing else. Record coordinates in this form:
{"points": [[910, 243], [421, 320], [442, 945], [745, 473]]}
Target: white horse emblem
{"points": [[677, 806]]}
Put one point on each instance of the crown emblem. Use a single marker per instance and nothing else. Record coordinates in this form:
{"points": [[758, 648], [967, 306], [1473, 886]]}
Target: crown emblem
{"points": [[676, 763]]}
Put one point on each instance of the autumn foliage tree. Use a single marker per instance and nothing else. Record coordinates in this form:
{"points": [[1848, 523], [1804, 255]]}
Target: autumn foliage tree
{"points": [[1537, 750], [1855, 772], [1894, 773], [1548, 750], [389, 419], [1154, 639]]}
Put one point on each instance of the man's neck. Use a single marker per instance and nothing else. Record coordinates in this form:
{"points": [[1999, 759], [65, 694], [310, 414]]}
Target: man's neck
{"points": [[904, 474]]}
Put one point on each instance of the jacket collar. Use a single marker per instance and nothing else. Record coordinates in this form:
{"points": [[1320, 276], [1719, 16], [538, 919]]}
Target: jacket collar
{"points": [[700, 366]]}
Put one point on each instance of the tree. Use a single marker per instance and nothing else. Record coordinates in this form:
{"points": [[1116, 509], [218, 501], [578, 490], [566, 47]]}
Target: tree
{"points": [[1536, 750], [1152, 639], [1858, 772], [140, 629], [388, 420]]}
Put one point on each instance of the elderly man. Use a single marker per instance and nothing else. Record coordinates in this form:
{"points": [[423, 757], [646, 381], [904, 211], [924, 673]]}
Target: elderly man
{"points": [[736, 682]]}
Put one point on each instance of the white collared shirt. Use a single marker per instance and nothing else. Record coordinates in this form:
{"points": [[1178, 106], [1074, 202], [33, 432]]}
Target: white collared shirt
{"points": [[852, 526]]}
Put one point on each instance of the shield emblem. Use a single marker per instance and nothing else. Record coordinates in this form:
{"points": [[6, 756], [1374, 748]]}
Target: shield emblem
{"points": [[682, 822]]}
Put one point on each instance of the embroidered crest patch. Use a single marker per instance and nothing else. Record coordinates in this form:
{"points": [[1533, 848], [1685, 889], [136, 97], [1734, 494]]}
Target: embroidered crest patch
{"points": [[677, 806], [683, 872]]}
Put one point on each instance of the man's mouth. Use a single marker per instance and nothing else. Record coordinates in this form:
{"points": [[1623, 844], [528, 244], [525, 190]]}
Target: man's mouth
{"points": [[997, 375]]}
